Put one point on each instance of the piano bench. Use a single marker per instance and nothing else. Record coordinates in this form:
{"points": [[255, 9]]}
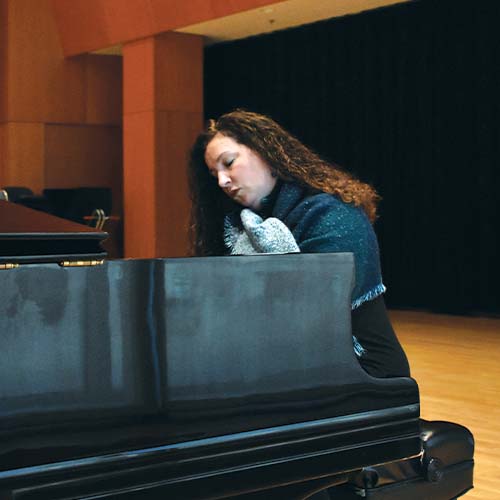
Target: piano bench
{"points": [[442, 472]]}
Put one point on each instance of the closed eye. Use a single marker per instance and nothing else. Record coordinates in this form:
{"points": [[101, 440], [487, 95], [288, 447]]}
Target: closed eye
{"points": [[228, 163]]}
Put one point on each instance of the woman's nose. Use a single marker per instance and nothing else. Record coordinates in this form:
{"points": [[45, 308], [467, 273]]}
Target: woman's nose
{"points": [[223, 179]]}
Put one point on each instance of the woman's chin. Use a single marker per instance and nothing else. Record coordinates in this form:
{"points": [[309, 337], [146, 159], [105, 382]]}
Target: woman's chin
{"points": [[251, 205], [246, 202]]}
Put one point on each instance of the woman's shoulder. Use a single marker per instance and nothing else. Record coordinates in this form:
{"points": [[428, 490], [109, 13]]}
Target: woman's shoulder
{"points": [[320, 205], [297, 199], [327, 200], [324, 223]]}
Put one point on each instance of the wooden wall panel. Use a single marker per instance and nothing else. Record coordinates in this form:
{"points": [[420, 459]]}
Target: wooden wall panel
{"points": [[88, 25], [128, 23], [179, 72], [171, 14], [221, 8], [103, 84], [84, 156], [168, 14], [24, 158], [81, 25], [43, 86], [4, 26], [62, 118], [176, 132]]}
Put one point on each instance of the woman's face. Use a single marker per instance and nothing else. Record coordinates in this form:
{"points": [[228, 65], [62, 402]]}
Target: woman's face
{"points": [[241, 173]]}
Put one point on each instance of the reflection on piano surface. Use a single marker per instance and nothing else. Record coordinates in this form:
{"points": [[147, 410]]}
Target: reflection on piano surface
{"points": [[183, 378]]}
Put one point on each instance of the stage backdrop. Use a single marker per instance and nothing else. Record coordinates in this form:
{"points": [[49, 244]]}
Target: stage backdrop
{"points": [[408, 98]]}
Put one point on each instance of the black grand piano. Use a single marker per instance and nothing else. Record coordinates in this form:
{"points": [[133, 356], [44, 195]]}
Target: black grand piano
{"points": [[200, 378]]}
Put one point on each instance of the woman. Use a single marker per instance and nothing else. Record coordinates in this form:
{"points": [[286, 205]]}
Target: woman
{"points": [[256, 188]]}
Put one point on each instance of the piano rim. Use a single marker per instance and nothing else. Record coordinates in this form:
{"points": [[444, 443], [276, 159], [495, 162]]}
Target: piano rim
{"points": [[217, 456]]}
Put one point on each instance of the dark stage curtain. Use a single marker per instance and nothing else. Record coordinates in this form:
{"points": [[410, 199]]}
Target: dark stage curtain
{"points": [[408, 98]]}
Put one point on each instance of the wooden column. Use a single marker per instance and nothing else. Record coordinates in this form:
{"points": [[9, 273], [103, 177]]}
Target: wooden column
{"points": [[3, 87], [162, 114]]}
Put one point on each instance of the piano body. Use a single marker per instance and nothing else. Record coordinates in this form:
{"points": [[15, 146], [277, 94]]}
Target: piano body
{"points": [[183, 378]]}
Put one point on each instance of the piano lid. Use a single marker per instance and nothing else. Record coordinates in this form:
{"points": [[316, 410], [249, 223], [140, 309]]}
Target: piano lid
{"points": [[28, 236]]}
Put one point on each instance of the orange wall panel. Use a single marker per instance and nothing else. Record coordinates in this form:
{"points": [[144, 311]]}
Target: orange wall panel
{"points": [[24, 155], [82, 25], [173, 14], [47, 102], [42, 85], [176, 132], [64, 100], [45, 87], [87, 25], [4, 26], [84, 156], [179, 72], [221, 8], [103, 84], [170, 14], [128, 23]]}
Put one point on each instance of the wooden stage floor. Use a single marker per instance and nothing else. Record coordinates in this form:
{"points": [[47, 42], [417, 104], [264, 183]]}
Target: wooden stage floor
{"points": [[456, 362]]}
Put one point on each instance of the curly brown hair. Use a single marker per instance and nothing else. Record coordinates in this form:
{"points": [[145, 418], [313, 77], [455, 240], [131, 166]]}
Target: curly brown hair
{"points": [[289, 160]]}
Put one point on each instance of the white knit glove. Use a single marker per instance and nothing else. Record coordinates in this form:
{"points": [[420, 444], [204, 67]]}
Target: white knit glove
{"points": [[263, 236]]}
